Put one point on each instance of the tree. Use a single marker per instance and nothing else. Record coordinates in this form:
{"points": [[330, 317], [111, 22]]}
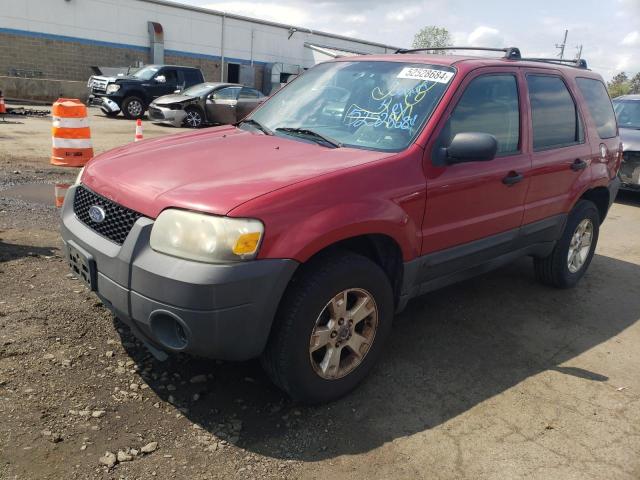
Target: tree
{"points": [[619, 85], [634, 84], [432, 36]]}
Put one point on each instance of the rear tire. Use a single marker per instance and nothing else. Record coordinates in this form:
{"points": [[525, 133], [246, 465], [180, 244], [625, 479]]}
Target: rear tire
{"points": [[312, 328], [570, 258], [133, 108]]}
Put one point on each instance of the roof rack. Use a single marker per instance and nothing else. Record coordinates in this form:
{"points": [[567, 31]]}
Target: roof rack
{"points": [[578, 62], [509, 52]]}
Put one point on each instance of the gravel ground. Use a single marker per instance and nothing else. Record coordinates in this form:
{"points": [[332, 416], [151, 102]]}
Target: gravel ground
{"points": [[495, 378]]}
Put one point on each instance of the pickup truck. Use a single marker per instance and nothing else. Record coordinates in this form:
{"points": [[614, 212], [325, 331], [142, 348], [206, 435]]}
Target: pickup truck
{"points": [[133, 93]]}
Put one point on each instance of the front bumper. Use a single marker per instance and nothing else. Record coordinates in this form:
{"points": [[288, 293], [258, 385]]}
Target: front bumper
{"points": [[97, 99], [215, 311], [106, 103], [630, 171], [160, 114]]}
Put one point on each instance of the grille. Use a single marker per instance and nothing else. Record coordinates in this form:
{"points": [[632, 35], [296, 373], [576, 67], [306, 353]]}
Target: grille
{"points": [[98, 85], [118, 220]]}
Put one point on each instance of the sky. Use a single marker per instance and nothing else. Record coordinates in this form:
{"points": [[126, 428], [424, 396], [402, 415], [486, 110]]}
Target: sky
{"points": [[609, 30]]}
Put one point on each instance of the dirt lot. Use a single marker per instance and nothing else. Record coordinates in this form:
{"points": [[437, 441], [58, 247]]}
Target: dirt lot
{"points": [[494, 378]]}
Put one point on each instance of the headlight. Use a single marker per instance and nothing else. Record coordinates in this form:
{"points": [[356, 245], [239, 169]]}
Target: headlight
{"points": [[206, 238], [77, 182], [112, 88]]}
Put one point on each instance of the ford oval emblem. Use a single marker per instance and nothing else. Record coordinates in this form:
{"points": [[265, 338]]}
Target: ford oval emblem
{"points": [[97, 213]]}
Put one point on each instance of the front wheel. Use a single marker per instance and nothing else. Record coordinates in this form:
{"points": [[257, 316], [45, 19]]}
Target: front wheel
{"points": [[194, 118], [133, 108], [572, 254], [330, 328]]}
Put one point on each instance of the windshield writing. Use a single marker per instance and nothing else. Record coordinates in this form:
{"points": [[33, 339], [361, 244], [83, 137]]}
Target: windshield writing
{"points": [[363, 104]]}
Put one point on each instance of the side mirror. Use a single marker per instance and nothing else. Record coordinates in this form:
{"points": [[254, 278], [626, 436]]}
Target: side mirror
{"points": [[161, 79], [471, 147]]}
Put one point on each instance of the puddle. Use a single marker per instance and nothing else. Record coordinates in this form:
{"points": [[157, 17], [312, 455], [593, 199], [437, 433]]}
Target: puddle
{"points": [[42, 193]]}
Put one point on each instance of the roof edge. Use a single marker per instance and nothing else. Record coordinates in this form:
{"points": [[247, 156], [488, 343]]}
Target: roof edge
{"points": [[219, 13]]}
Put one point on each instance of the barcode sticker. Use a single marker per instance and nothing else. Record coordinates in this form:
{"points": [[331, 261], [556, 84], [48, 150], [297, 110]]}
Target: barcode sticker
{"points": [[414, 73]]}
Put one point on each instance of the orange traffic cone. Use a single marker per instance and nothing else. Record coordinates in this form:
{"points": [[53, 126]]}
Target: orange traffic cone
{"points": [[138, 130], [3, 107], [60, 192]]}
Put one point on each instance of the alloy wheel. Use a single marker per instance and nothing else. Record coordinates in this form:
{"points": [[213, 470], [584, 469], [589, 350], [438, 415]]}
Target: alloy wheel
{"points": [[134, 108], [580, 245], [343, 333], [193, 119]]}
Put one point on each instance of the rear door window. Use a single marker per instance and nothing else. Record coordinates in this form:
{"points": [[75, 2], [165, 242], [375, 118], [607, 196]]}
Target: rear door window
{"points": [[556, 122], [227, 93], [192, 77], [489, 105], [249, 93], [599, 105]]}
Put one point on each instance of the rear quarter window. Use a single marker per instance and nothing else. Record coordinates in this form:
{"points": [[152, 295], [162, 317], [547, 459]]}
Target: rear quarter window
{"points": [[599, 105]]}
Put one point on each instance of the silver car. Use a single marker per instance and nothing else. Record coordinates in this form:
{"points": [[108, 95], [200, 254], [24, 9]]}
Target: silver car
{"points": [[205, 104], [627, 109]]}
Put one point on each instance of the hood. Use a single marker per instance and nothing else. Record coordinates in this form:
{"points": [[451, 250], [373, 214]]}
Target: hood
{"points": [[213, 170], [113, 79], [106, 80], [630, 139], [173, 98]]}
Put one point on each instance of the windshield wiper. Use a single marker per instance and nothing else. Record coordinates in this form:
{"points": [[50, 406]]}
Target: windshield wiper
{"points": [[256, 124], [310, 133]]}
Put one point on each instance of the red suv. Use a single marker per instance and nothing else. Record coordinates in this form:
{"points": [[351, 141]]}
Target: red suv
{"points": [[296, 234]]}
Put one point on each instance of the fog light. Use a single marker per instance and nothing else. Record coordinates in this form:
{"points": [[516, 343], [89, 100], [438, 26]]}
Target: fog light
{"points": [[169, 330]]}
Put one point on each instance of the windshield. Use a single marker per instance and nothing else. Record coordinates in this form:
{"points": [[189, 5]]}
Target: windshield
{"points": [[372, 105], [627, 113], [146, 73], [198, 90]]}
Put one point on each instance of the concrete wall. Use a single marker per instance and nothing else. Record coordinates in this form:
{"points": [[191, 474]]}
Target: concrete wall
{"points": [[40, 89]]}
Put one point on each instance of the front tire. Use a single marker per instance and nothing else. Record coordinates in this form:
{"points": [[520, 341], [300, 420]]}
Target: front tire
{"points": [[573, 253], [133, 108], [194, 118], [330, 329]]}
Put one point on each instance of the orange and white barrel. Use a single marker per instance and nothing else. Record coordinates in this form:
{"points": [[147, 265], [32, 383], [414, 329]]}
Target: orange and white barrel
{"points": [[3, 107], [71, 135], [60, 192]]}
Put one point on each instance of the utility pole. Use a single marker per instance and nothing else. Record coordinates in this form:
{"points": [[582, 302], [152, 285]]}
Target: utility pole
{"points": [[579, 55], [562, 45]]}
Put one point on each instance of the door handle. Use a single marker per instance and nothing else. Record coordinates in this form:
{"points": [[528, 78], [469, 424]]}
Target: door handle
{"points": [[512, 178], [578, 165]]}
